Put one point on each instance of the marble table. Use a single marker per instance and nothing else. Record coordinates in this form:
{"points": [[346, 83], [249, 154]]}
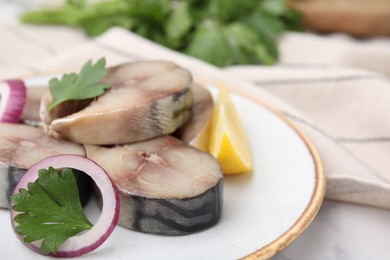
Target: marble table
{"points": [[343, 231]]}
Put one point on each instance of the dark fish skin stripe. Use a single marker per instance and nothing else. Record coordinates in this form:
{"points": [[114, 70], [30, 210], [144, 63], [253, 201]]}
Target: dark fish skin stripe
{"points": [[160, 123], [172, 227], [179, 113], [162, 212], [172, 216], [10, 177], [184, 210], [178, 95], [185, 113]]}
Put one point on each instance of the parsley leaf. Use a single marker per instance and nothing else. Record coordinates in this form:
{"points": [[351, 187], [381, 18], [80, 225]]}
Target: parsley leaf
{"points": [[210, 44], [84, 85], [180, 25], [50, 210]]}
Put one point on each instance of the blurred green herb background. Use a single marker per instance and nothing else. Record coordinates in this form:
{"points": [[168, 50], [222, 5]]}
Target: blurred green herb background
{"points": [[221, 32]]}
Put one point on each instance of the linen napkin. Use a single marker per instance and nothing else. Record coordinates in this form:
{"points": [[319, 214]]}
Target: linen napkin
{"points": [[343, 110]]}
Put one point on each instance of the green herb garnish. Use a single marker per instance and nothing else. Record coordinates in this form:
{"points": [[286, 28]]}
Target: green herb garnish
{"points": [[50, 210], [84, 85], [222, 32]]}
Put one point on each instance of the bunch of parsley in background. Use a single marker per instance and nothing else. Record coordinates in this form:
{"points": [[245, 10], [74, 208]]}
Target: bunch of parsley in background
{"points": [[221, 32]]}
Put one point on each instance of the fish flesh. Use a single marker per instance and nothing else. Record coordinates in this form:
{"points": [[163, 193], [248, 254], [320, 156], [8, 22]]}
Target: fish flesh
{"points": [[21, 146], [165, 185], [146, 99], [30, 113], [196, 131]]}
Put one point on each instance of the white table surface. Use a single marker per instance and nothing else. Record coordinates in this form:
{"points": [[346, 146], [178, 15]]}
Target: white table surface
{"points": [[343, 231], [340, 231]]}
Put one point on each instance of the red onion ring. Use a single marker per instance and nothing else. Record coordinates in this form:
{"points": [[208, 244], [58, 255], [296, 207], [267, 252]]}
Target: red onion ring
{"points": [[12, 100], [92, 239]]}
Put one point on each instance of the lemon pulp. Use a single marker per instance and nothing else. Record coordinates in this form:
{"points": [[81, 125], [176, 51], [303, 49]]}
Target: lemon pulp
{"points": [[228, 140]]}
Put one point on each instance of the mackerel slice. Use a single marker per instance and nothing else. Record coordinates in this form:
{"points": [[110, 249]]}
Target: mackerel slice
{"points": [[21, 146], [146, 99], [165, 185], [196, 131], [30, 112]]}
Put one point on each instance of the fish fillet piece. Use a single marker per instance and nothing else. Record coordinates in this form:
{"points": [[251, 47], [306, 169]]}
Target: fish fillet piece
{"points": [[31, 108], [146, 99], [196, 131], [21, 146], [165, 185]]}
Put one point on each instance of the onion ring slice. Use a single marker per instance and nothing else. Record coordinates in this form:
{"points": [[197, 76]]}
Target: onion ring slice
{"points": [[12, 100], [92, 239]]}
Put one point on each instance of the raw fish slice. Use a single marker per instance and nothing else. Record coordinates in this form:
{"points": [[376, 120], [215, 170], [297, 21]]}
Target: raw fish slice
{"points": [[165, 185], [21, 146], [196, 131], [31, 108], [146, 99]]}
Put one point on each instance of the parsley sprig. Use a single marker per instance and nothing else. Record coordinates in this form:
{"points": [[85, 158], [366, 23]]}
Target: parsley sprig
{"points": [[221, 32], [50, 210], [84, 85]]}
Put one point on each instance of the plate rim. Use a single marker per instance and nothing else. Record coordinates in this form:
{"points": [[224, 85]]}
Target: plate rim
{"points": [[312, 208], [317, 197], [318, 194]]}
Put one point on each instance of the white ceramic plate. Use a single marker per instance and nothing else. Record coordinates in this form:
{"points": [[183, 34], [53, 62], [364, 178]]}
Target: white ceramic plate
{"points": [[263, 211]]}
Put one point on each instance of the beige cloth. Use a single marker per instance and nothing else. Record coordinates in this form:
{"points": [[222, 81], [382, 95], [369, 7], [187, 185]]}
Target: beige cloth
{"points": [[343, 110]]}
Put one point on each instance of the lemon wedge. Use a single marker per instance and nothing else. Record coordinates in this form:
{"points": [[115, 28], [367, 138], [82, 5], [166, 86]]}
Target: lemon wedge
{"points": [[228, 141]]}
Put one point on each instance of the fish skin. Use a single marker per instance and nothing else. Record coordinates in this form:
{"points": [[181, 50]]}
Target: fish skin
{"points": [[9, 178], [21, 146], [165, 185], [172, 216], [146, 99]]}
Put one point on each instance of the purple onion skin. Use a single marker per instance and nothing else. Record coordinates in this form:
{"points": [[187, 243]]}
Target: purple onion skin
{"points": [[13, 114], [32, 175]]}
